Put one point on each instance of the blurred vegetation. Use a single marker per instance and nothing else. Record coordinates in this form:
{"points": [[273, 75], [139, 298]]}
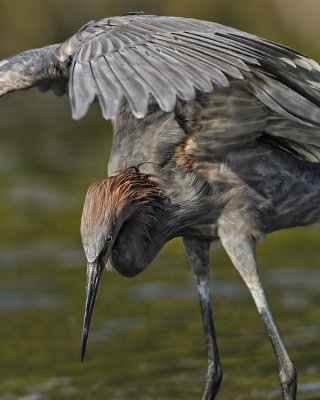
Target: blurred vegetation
{"points": [[37, 22]]}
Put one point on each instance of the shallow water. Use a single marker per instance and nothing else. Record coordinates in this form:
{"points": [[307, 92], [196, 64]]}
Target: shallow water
{"points": [[146, 339]]}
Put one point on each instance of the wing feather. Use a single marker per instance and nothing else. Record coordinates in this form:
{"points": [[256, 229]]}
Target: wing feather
{"points": [[104, 81], [212, 72], [169, 60], [133, 87], [172, 56], [175, 76], [193, 70], [201, 54], [159, 84]]}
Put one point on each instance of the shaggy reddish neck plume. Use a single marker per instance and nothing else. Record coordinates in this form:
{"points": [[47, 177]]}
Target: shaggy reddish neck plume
{"points": [[110, 203]]}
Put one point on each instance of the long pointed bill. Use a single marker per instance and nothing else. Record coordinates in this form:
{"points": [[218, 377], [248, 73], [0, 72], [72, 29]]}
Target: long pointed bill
{"points": [[94, 272]]}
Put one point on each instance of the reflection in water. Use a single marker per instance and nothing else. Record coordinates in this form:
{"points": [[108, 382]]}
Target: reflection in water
{"points": [[146, 340]]}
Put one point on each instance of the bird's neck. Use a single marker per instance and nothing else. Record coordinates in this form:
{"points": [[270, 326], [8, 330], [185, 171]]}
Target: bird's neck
{"points": [[192, 206], [137, 244], [143, 228], [185, 207]]}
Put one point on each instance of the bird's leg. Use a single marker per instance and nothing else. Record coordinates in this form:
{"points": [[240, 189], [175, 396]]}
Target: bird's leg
{"points": [[198, 255], [241, 251]]}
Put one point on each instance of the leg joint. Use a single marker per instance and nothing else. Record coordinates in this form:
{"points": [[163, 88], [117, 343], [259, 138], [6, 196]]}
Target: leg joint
{"points": [[288, 381]]}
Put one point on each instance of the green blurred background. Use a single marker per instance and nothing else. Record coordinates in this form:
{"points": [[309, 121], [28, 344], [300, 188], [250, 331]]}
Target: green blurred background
{"points": [[146, 340]]}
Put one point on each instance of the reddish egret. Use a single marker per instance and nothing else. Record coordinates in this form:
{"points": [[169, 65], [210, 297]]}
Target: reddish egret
{"points": [[214, 133]]}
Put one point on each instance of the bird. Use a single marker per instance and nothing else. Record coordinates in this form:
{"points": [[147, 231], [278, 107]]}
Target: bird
{"points": [[216, 136]]}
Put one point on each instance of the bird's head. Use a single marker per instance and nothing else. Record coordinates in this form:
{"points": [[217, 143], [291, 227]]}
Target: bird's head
{"points": [[108, 205]]}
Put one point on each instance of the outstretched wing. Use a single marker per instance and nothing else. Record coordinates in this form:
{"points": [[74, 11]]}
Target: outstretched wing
{"points": [[138, 56]]}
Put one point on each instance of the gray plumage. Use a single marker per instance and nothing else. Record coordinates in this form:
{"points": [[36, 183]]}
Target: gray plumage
{"points": [[135, 56], [215, 131]]}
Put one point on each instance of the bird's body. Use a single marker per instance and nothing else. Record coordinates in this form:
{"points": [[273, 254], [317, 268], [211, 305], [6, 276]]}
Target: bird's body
{"points": [[208, 176], [214, 132]]}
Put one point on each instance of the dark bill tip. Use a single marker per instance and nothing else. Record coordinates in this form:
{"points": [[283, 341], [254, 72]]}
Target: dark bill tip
{"points": [[94, 272]]}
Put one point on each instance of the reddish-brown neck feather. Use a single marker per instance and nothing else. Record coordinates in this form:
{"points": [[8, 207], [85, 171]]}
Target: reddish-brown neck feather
{"points": [[114, 199]]}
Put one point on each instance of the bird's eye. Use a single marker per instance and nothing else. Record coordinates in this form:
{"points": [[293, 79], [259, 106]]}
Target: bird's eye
{"points": [[109, 238]]}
